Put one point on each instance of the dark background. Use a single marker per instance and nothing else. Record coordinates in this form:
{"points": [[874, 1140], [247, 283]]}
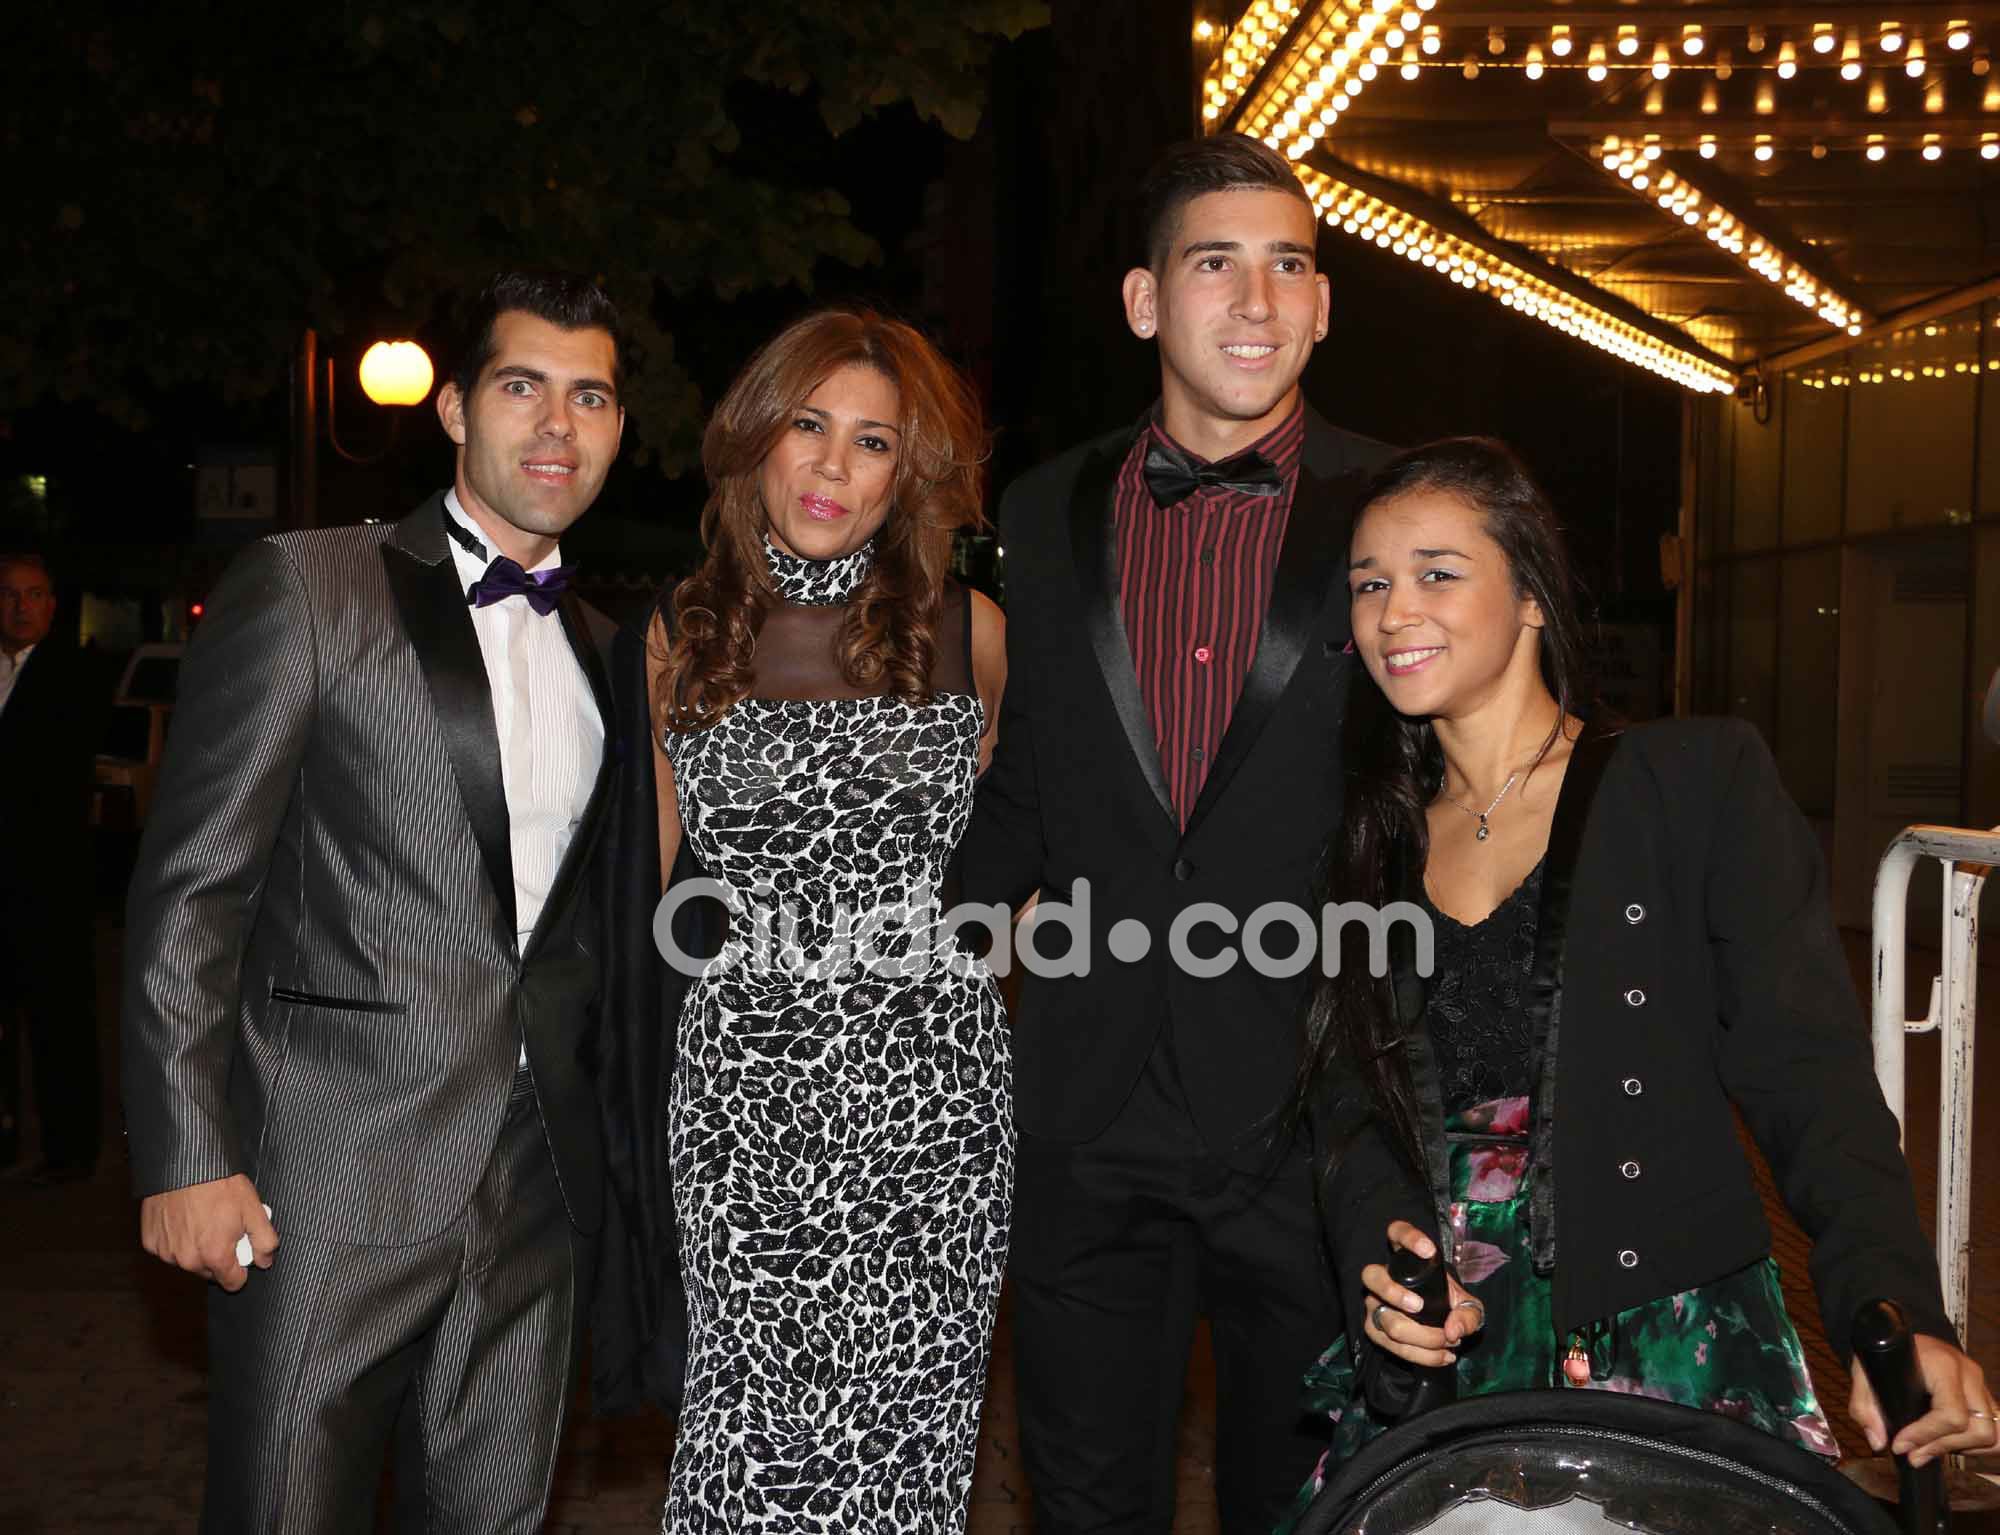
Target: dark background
{"points": [[1008, 245]]}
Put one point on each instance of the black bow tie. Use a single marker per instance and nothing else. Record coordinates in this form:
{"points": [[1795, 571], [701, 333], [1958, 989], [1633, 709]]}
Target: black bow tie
{"points": [[504, 579], [1172, 478]]}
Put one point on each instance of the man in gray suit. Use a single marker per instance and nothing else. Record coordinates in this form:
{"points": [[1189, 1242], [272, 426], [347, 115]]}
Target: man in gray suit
{"points": [[360, 968]]}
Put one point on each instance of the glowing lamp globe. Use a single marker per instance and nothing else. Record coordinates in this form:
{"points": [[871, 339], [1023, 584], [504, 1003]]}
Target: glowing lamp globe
{"points": [[396, 373]]}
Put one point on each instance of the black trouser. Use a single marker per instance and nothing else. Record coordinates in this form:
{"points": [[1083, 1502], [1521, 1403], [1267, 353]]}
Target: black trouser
{"points": [[461, 1349], [48, 951], [1118, 1243]]}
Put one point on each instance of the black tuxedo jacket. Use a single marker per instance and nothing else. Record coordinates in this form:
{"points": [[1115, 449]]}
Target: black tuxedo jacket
{"points": [[48, 753], [323, 987], [1076, 797]]}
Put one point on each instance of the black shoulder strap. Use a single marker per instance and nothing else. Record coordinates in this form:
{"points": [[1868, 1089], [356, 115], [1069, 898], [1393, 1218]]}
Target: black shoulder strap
{"points": [[965, 603]]}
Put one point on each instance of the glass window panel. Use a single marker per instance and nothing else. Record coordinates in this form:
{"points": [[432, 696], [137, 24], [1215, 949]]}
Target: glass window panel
{"points": [[1711, 633], [1712, 450], [1989, 413], [1815, 432], [1809, 677], [1909, 439], [1982, 792], [1753, 642], [1754, 524]]}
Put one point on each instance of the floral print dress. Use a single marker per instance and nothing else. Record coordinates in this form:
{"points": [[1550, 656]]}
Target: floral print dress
{"points": [[1726, 1347]]}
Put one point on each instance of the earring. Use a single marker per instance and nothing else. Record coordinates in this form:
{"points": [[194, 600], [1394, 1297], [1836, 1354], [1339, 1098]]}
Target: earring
{"points": [[1145, 327]]}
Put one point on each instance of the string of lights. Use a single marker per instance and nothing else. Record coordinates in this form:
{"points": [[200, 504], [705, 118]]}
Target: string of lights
{"points": [[1366, 215], [1638, 166], [1289, 69]]}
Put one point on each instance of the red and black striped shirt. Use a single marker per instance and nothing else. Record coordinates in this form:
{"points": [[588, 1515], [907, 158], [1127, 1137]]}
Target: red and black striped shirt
{"points": [[1194, 580]]}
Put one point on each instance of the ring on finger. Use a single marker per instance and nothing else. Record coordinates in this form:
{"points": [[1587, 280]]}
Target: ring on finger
{"points": [[1470, 1303], [1381, 1306], [1974, 1413]]}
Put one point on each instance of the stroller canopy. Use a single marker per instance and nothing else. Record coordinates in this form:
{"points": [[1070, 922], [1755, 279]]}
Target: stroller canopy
{"points": [[1586, 1463]]}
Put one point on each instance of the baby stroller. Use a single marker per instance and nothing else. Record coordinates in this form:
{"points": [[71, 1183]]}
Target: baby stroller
{"points": [[1570, 1462]]}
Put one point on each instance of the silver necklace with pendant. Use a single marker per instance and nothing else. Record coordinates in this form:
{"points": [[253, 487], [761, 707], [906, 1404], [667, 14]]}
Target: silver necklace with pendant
{"points": [[1484, 831]]}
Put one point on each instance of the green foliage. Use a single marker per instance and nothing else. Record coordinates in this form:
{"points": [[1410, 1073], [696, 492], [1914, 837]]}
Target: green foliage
{"points": [[195, 184]]}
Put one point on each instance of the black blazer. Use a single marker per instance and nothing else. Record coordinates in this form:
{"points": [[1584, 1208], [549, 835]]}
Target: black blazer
{"points": [[1687, 959], [1075, 794], [323, 987], [48, 754]]}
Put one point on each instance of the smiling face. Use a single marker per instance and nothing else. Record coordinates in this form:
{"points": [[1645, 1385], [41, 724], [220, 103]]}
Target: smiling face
{"points": [[1237, 305], [538, 431], [1437, 619], [828, 482]]}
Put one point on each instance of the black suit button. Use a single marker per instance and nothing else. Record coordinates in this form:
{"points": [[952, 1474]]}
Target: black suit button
{"points": [[1635, 998], [1629, 1169], [1635, 914], [1183, 869], [1628, 1259], [1633, 1087]]}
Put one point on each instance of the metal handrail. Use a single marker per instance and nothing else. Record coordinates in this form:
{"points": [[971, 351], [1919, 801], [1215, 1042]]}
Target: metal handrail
{"points": [[1967, 857]]}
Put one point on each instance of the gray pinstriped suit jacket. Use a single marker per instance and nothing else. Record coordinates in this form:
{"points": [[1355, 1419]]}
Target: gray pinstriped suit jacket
{"points": [[322, 988]]}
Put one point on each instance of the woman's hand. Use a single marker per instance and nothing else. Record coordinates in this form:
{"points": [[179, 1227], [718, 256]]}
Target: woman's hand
{"points": [[1391, 1304], [1962, 1416]]}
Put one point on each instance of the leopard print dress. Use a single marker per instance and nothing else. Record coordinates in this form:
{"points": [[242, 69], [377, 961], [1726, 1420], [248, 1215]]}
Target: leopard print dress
{"points": [[841, 1133]]}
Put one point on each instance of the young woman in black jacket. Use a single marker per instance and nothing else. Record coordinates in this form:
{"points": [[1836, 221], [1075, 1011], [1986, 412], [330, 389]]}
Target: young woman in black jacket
{"points": [[1630, 932]]}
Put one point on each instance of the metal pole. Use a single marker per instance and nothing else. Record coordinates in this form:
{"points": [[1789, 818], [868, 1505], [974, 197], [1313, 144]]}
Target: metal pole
{"points": [[305, 432], [1956, 1017], [1888, 1025], [1966, 858]]}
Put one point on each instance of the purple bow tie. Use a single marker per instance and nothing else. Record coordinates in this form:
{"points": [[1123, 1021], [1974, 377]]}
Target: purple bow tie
{"points": [[504, 579]]}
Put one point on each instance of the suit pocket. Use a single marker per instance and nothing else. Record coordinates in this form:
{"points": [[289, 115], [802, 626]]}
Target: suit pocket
{"points": [[337, 1004]]}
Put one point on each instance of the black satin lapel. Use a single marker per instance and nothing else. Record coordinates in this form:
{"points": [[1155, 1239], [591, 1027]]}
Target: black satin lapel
{"points": [[577, 856], [1315, 542], [1094, 538], [1588, 759], [439, 625], [577, 632]]}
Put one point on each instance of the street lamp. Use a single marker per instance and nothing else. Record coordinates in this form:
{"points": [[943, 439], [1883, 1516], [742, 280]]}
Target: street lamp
{"points": [[392, 373], [396, 373]]}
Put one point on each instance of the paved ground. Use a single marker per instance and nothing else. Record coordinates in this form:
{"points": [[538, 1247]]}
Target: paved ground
{"points": [[102, 1397]]}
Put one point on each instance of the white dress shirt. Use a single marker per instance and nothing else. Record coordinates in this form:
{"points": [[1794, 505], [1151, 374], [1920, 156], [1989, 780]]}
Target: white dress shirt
{"points": [[551, 738], [10, 671]]}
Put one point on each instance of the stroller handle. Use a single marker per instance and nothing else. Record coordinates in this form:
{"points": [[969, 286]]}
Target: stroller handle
{"points": [[1885, 1347], [1400, 1390]]}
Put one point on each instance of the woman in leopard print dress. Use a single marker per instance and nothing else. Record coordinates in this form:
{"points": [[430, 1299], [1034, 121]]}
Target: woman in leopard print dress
{"points": [[840, 1130]]}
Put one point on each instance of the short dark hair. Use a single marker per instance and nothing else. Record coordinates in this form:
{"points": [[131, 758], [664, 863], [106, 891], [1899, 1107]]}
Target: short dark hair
{"points": [[1225, 162], [561, 298]]}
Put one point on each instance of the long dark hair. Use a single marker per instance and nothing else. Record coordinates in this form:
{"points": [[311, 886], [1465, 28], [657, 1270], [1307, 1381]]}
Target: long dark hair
{"points": [[1352, 1063]]}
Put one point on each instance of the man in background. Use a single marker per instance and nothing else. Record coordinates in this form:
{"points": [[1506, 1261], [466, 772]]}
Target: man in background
{"points": [[50, 710]]}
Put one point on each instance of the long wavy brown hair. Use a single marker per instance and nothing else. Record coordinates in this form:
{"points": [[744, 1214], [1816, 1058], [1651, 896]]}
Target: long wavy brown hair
{"points": [[888, 638]]}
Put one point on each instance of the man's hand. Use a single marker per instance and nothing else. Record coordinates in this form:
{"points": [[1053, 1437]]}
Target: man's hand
{"points": [[1961, 1418], [196, 1229]]}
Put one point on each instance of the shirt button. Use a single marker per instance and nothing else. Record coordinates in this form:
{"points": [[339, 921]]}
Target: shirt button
{"points": [[1635, 914], [1635, 998], [1633, 1087], [1208, 556], [1629, 1169], [1199, 754], [1202, 654], [1628, 1259], [1183, 869]]}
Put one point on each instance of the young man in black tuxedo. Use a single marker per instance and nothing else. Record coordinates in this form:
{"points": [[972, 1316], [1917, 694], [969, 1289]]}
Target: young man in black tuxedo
{"points": [[1177, 651]]}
